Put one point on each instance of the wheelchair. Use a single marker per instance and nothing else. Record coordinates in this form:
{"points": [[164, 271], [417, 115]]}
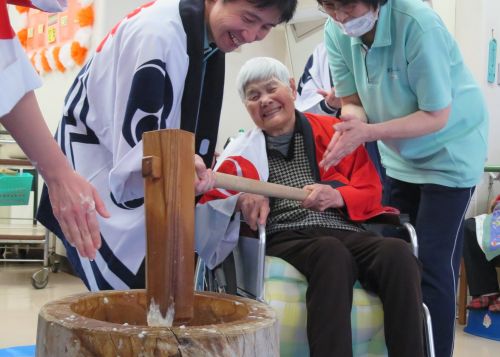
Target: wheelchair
{"points": [[248, 272]]}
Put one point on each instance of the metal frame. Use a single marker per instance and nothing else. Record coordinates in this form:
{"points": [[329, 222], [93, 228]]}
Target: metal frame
{"points": [[29, 234], [250, 276], [38, 238]]}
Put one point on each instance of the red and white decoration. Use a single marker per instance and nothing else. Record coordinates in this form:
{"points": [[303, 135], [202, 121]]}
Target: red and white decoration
{"points": [[55, 42]]}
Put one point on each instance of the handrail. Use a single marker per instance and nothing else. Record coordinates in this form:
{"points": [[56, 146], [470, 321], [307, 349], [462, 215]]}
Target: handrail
{"points": [[492, 168], [15, 162], [7, 141]]}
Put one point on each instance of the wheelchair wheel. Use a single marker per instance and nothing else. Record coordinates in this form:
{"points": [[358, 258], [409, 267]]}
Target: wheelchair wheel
{"points": [[229, 271], [221, 279], [40, 279]]}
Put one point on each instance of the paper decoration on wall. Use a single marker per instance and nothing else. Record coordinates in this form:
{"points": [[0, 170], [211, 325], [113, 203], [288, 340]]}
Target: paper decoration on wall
{"points": [[492, 58], [57, 41]]}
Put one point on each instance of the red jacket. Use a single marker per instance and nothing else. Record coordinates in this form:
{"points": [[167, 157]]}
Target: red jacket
{"points": [[355, 176]]}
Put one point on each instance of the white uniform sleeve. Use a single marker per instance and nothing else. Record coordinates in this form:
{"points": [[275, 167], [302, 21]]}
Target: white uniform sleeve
{"points": [[17, 75]]}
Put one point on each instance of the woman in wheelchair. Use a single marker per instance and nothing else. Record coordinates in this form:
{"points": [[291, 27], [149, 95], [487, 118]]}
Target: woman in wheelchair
{"points": [[322, 236]]}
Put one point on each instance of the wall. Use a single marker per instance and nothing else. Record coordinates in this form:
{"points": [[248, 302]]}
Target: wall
{"points": [[55, 85], [474, 22], [300, 49], [481, 15], [446, 10]]}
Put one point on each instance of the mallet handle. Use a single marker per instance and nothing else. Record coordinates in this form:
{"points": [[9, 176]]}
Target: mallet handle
{"points": [[242, 184]]}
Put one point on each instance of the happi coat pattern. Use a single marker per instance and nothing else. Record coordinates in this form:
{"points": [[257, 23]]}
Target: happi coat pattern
{"points": [[145, 75], [316, 76], [217, 226], [17, 75]]}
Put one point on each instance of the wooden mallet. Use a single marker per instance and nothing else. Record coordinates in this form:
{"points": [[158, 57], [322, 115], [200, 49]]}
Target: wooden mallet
{"points": [[168, 170]]}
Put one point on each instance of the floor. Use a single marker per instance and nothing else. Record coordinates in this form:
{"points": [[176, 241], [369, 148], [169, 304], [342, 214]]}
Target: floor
{"points": [[20, 303]]}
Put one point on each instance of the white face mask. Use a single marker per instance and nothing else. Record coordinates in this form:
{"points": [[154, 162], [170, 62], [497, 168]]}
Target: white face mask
{"points": [[360, 25]]}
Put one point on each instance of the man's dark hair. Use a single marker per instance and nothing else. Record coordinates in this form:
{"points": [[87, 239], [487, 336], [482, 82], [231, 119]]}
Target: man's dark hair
{"points": [[373, 3], [285, 7]]}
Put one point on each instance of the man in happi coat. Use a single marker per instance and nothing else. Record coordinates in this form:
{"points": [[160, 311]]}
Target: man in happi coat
{"points": [[161, 67]]}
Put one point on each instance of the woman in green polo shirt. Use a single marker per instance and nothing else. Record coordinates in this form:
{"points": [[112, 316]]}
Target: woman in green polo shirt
{"points": [[402, 81]]}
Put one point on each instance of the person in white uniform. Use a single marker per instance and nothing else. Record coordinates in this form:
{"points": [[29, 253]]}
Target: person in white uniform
{"points": [[315, 92]]}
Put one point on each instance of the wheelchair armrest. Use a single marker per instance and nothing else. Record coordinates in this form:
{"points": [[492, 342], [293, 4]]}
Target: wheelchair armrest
{"points": [[249, 261], [246, 231], [399, 221], [389, 218]]}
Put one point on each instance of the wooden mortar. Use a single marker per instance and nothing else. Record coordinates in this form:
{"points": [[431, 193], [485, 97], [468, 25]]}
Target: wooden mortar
{"points": [[114, 323]]}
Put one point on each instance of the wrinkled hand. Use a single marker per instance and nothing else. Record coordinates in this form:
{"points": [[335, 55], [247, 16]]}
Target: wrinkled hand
{"points": [[254, 208], [349, 134], [322, 197], [75, 203], [205, 178], [330, 98]]}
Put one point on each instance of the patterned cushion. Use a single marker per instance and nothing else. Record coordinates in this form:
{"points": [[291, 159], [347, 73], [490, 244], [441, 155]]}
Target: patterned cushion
{"points": [[285, 290]]}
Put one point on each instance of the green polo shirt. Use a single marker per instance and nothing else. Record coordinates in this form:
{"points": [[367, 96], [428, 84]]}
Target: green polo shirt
{"points": [[415, 64]]}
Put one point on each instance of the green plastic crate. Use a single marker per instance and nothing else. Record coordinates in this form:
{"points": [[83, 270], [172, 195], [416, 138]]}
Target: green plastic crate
{"points": [[15, 189]]}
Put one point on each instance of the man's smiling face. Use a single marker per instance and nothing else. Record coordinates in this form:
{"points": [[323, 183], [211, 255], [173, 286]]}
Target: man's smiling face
{"points": [[234, 23]]}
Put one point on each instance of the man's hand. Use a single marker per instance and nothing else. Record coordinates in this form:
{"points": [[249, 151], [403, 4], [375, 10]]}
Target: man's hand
{"points": [[205, 178], [349, 134], [331, 100], [75, 203], [254, 208], [322, 197]]}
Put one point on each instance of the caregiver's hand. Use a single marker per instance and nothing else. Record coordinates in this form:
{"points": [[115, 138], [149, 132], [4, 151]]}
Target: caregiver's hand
{"points": [[349, 134]]}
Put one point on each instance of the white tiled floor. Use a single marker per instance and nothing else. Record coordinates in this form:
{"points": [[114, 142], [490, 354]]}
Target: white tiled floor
{"points": [[20, 303]]}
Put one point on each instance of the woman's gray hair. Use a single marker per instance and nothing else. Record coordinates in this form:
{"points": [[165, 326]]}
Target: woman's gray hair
{"points": [[261, 69]]}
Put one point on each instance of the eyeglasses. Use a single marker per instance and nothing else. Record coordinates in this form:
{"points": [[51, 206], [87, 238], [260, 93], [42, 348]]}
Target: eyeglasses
{"points": [[330, 8]]}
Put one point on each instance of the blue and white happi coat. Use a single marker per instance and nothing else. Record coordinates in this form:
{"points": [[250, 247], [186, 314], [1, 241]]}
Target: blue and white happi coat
{"points": [[145, 75], [316, 76]]}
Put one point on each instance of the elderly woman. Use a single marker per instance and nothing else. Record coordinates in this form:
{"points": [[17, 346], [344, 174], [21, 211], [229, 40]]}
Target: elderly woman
{"points": [[320, 236]]}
